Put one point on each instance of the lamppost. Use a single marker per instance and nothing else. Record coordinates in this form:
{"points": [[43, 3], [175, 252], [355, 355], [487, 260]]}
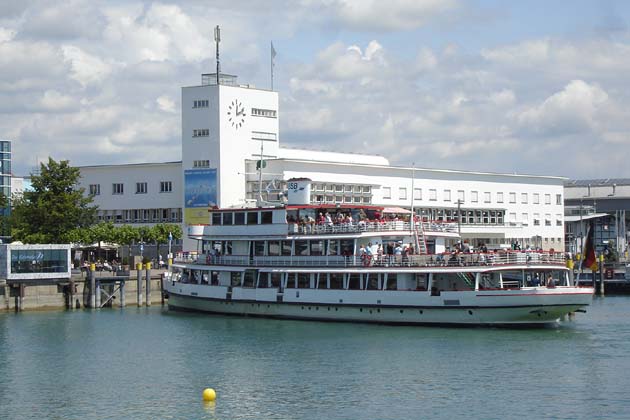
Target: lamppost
{"points": [[459, 217]]}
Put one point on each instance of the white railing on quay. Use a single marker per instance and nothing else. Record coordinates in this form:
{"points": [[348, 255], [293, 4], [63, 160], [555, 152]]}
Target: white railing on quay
{"points": [[433, 260]]}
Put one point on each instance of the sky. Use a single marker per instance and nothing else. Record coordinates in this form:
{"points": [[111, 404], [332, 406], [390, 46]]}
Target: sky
{"points": [[535, 87]]}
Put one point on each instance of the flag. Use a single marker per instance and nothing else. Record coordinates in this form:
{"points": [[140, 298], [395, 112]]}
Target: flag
{"points": [[273, 52], [590, 260]]}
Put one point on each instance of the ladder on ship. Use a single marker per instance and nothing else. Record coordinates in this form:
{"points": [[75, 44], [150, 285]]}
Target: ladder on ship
{"points": [[421, 243], [469, 279]]}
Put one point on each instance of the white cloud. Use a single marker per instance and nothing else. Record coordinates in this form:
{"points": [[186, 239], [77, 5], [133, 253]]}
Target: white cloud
{"points": [[166, 104], [574, 109], [391, 15], [6, 34], [86, 68], [56, 101]]}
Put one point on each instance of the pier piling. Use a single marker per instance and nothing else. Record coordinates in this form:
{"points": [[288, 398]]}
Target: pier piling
{"points": [[139, 282], [98, 294], [92, 276], [148, 280], [122, 293]]}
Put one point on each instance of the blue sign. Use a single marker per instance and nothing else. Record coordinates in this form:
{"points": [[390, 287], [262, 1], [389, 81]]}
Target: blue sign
{"points": [[200, 188]]}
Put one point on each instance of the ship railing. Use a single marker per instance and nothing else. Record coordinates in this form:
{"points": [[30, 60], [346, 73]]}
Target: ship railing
{"points": [[372, 226], [433, 260]]}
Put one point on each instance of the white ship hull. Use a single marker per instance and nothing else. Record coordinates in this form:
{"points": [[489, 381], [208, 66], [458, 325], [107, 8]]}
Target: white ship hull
{"points": [[535, 306]]}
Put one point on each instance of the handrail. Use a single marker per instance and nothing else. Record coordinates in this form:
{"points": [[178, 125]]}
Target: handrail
{"points": [[372, 226], [435, 260]]}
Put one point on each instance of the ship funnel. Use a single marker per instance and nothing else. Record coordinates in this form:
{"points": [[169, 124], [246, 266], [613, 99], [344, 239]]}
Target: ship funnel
{"points": [[299, 191]]}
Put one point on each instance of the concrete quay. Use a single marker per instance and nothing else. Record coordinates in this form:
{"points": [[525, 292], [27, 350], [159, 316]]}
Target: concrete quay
{"points": [[56, 296]]}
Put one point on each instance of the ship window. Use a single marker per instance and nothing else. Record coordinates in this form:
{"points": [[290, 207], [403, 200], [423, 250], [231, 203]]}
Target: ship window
{"points": [[276, 278], [391, 282], [301, 248], [216, 219], [291, 282], [317, 248], [235, 279], [286, 247], [372, 281], [259, 248], [252, 218], [354, 281], [333, 247], [304, 280], [266, 218], [321, 282], [239, 218], [248, 278], [227, 248], [274, 248], [292, 216], [336, 281], [263, 280], [227, 218], [347, 247]]}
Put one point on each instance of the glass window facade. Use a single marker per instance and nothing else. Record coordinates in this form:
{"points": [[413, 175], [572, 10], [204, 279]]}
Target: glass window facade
{"points": [[39, 261]]}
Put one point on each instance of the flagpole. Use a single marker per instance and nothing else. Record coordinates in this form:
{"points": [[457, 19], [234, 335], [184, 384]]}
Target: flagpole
{"points": [[271, 62]]}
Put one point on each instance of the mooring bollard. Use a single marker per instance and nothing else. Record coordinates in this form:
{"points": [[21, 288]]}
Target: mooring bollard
{"points": [[148, 279], [139, 282]]}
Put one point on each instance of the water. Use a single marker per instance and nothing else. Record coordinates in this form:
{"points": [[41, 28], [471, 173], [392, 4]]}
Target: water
{"points": [[152, 363]]}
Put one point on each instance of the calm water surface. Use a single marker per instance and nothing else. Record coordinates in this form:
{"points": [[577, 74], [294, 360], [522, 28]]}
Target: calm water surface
{"points": [[154, 364]]}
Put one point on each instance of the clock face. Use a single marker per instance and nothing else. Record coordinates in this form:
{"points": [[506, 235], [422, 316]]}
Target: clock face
{"points": [[236, 114]]}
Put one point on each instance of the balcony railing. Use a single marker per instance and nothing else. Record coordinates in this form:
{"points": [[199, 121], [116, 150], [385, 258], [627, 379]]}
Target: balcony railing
{"points": [[437, 260]]}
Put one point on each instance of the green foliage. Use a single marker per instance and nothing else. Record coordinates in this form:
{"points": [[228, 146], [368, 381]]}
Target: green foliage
{"points": [[54, 209]]}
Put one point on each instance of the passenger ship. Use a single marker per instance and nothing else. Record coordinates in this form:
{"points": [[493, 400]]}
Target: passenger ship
{"points": [[346, 263]]}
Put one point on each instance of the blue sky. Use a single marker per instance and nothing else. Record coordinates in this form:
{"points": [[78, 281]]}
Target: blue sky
{"points": [[530, 87]]}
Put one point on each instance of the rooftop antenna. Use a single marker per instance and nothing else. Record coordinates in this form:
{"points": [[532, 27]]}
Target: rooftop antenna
{"points": [[217, 39]]}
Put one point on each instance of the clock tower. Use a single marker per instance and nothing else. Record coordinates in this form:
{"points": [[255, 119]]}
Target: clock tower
{"points": [[223, 125]]}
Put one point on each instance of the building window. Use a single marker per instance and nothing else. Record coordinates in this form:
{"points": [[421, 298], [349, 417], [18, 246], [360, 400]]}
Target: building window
{"points": [[95, 189], [117, 189], [536, 219], [201, 132], [447, 195], [558, 220], [499, 197], [547, 198], [536, 198], [201, 103], [559, 199], [402, 193], [141, 187], [166, 186], [474, 196], [512, 217], [523, 198], [261, 135], [433, 195], [201, 163], [525, 219], [417, 193], [547, 220], [461, 196], [387, 193], [486, 197], [269, 113]]}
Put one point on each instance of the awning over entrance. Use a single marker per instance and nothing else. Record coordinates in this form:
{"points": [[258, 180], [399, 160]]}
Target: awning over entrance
{"points": [[396, 210]]}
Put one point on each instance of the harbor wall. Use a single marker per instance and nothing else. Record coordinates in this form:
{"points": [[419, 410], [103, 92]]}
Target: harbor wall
{"points": [[51, 296]]}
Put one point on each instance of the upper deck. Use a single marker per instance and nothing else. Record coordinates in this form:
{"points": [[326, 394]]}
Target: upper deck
{"points": [[317, 220]]}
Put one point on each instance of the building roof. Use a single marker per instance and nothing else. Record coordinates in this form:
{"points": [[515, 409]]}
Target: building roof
{"points": [[597, 182]]}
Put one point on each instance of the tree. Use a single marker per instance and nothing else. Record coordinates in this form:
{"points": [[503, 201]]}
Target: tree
{"points": [[126, 235], [54, 207], [162, 231]]}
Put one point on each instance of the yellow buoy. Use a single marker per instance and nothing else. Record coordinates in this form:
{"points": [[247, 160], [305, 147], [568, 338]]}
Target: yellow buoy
{"points": [[209, 394]]}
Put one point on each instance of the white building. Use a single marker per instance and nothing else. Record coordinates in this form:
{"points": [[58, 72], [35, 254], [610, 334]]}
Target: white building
{"points": [[228, 128]]}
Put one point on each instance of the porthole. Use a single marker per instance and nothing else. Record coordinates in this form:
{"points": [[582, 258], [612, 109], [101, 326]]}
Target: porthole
{"points": [[401, 311], [420, 312], [469, 312]]}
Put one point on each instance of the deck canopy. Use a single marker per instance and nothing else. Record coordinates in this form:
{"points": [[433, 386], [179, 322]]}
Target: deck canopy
{"points": [[395, 210]]}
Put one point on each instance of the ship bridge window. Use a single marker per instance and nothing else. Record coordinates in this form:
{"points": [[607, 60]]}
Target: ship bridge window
{"points": [[266, 218], [239, 218], [227, 218], [252, 218]]}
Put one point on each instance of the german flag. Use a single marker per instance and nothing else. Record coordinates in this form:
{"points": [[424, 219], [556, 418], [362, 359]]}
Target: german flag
{"points": [[589, 260]]}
